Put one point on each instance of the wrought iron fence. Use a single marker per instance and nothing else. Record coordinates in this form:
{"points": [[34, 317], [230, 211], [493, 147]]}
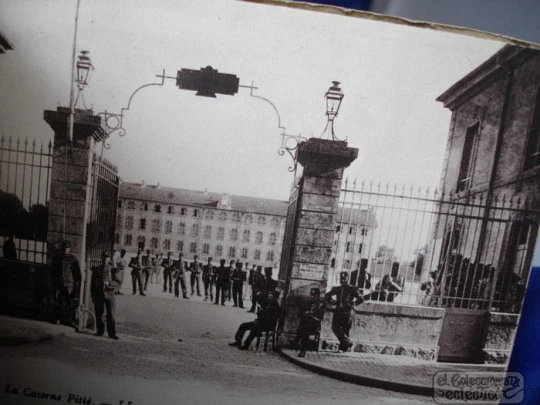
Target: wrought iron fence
{"points": [[417, 246], [25, 179]]}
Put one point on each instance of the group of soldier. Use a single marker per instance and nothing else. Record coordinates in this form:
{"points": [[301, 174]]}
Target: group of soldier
{"points": [[105, 283], [221, 283]]}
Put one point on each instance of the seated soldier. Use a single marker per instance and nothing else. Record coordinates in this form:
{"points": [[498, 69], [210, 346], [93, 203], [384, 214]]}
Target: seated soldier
{"points": [[389, 286], [267, 317], [311, 315]]}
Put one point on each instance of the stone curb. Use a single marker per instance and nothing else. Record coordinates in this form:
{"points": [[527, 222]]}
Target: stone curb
{"points": [[360, 379]]}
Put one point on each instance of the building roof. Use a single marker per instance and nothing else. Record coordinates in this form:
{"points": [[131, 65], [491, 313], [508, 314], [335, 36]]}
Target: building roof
{"points": [[169, 195], [474, 82]]}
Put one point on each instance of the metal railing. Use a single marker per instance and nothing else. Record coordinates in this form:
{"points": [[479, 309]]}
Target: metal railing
{"points": [[416, 246], [25, 180]]}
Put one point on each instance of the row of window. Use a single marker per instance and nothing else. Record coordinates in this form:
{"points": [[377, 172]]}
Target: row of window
{"points": [[193, 247], [208, 214], [194, 231], [352, 230]]}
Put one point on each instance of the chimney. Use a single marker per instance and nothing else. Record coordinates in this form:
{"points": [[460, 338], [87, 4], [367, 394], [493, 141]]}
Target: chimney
{"points": [[158, 185], [143, 184]]}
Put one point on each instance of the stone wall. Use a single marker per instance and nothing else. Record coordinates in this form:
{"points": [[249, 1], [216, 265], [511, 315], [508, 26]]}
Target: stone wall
{"points": [[390, 329], [501, 330]]}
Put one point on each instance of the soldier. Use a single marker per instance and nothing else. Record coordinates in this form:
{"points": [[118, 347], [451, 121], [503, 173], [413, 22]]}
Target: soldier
{"points": [[360, 277], [180, 277], [346, 298], [267, 317], [247, 286], [168, 269], [232, 266], [66, 278], [121, 264], [208, 278], [257, 287], [156, 268], [311, 315], [238, 278], [223, 281], [136, 268], [103, 284], [150, 261], [194, 277]]}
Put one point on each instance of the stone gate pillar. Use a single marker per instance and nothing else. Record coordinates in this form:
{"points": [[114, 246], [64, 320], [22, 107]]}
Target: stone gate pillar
{"points": [[309, 235], [71, 188]]}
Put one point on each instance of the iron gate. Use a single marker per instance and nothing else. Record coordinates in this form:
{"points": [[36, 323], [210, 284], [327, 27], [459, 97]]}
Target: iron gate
{"points": [[101, 223]]}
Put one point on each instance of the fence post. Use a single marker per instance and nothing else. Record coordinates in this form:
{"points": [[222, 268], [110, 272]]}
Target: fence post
{"points": [[71, 185], [307, 246]]}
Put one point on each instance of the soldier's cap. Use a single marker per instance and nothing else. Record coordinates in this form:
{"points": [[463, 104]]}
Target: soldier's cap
{"points": [[222, 261], [343, 275], [66, 244], [209, 259]]}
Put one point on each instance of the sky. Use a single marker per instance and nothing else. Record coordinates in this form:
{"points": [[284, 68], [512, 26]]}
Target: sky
{"points": [[390, 74]]}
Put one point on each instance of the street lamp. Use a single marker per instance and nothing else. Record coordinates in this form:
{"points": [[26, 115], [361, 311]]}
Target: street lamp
{"points": [[334, 97], [84, 65]]}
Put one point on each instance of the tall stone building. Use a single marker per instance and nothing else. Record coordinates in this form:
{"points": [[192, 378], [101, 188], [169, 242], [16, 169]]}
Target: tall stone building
{"points": [[493, 158], [487, 226], [206, 224]]}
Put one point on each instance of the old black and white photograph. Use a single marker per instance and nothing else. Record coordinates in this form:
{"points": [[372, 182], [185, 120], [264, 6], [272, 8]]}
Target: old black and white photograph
{"points": [[262, 202]]}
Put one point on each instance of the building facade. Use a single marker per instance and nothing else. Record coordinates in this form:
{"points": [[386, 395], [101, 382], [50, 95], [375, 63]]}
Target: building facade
{"points": [[492, 167], [163, 219]]}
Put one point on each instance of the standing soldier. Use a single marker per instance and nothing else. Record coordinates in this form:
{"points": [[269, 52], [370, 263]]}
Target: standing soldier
{"points": [[223, 281], [156, 268], [150, 260], [257, 288], [238, 278], [66, 278], [103, 284], [121, 264], [346, 298], [232, 266], [168, 269], [247, 286], [208, 274], [194, 277], [136, 268], [180, 277]]}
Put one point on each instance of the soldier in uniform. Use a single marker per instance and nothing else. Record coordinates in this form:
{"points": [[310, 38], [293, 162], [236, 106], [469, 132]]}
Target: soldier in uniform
{"points": [[66, 278], [344, 298], [194, 276], [180, 277], [267, 317], [257, 287], [103, 284], [168, 269], [208, 278], [147, 269], [223, 281], [121, 264], [311, 315], [136, 268], [238, 278]]}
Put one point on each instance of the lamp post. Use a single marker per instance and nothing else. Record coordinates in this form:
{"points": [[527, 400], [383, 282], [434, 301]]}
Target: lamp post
{"points": [[334, 97], [84, 64]]}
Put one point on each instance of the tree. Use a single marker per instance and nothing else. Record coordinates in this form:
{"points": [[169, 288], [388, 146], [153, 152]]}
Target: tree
{"points": [[12, 214]]}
